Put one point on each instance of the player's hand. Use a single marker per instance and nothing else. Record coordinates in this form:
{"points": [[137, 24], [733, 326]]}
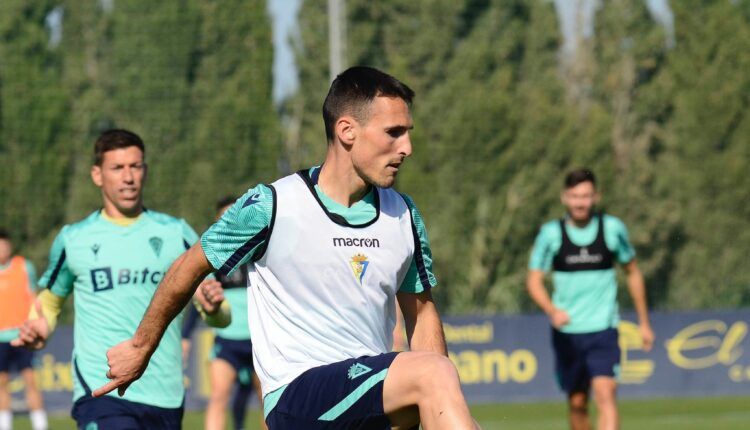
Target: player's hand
{"points": [[647, 336], [126, 362], [33, 333], [210, 295], [559, 318]]}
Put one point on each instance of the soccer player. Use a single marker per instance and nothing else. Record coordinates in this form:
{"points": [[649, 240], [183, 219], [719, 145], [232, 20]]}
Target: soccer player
{"points": [[232, 354], [328, 250], [17, 281], [582, 249], [113, 260]]}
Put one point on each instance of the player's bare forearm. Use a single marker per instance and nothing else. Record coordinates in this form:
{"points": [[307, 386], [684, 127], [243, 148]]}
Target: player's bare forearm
{"points": [[173, 293], [537, 291], [423, 326], [637, 289]]}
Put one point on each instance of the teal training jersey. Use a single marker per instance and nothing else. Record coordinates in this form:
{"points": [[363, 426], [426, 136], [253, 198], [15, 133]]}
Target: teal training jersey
{"points": [[114, 271], [241, 233], [235, 292], [589, 297], [8, 335]]}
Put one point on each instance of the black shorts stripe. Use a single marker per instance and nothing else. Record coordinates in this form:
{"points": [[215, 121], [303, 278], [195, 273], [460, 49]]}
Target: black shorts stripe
{"points": [[243, 251], [56, 271]]}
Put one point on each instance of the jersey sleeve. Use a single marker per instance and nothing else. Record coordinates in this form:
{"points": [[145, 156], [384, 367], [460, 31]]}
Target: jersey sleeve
{"points": [[420, 276], [58, 277], [31, 274], [241, 232], [542, 252], [623, 249]]}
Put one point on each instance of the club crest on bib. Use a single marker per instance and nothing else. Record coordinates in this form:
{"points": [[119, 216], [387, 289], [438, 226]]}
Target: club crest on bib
{"points": [[359, 265]]}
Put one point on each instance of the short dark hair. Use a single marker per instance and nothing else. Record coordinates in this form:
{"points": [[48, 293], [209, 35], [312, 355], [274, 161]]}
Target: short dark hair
{"points": [[4, 235], [225, 201], [354, 89], [579, 176], [115, 139]]}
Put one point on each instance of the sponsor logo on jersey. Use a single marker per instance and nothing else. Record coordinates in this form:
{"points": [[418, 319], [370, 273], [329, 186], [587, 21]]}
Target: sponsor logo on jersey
{"points": [[362, 242], [102, 279], [95, 249], [584, 257], [156, 244], [358, 370], [359, 265]]}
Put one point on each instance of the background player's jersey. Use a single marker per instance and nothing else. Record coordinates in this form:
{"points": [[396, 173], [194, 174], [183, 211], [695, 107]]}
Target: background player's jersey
{"points": [[241, 235], [589, 297], [114, 271], [10, 334], [235, 292]]}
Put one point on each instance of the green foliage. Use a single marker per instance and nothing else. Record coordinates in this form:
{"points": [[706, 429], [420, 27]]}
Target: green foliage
{"points": [[192, 77], [500, 118]]}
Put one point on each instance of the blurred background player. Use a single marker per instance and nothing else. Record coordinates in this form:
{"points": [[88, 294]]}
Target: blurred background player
{"points": [[232, 354], [17, 281], [581, 249], [113, 260]]}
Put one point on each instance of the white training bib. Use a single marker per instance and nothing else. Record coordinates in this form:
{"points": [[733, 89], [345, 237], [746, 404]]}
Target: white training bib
{"points": [[324, 291]]}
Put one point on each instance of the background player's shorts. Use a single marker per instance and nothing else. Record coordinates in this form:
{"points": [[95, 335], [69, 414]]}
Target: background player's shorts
{"points": [[14, 358], [238, 353], [111, 413], [581, 357], [347, 395]]}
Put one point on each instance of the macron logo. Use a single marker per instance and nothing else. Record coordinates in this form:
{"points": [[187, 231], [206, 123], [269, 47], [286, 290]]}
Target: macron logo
{"points": [[356, 241], [255, 198]]}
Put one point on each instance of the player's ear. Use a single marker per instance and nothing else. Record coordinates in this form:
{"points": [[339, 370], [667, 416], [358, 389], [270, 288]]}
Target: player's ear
{"points": [[346, 129], [597, 197], [96, 175]]}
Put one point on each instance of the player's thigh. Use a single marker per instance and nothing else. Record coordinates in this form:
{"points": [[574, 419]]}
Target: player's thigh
{"points": [[414, 377], [222, 376]]}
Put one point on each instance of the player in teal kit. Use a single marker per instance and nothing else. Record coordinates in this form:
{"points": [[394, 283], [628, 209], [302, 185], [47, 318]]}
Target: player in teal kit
{"points": [[581, 249], [113, 260], [328, 250]]}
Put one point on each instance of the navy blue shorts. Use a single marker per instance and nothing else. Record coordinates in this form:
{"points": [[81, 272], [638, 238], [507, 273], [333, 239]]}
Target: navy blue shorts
{"points": [[347, 395], [238, 353], [14, 358], [581, 357], [111, 413]]}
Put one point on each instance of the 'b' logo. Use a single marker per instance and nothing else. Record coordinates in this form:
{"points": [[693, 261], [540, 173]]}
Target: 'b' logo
{"points": [[101, 279]]}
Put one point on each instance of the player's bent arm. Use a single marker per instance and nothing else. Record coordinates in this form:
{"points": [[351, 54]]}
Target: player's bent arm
{"points": [[51, 305], [424, 330], [221, 318], [173, 294], [537, 291]]}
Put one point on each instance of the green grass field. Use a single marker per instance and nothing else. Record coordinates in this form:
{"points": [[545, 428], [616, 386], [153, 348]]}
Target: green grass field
{"points": [[730, 413]]}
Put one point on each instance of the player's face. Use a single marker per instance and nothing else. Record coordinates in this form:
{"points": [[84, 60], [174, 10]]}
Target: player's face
{"points": [[6, 250], [121, 177], [580, 200], [383, 141]]}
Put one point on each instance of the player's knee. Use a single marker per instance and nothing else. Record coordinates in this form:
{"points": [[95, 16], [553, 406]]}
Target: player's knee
{"points": [[438, 373]]}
